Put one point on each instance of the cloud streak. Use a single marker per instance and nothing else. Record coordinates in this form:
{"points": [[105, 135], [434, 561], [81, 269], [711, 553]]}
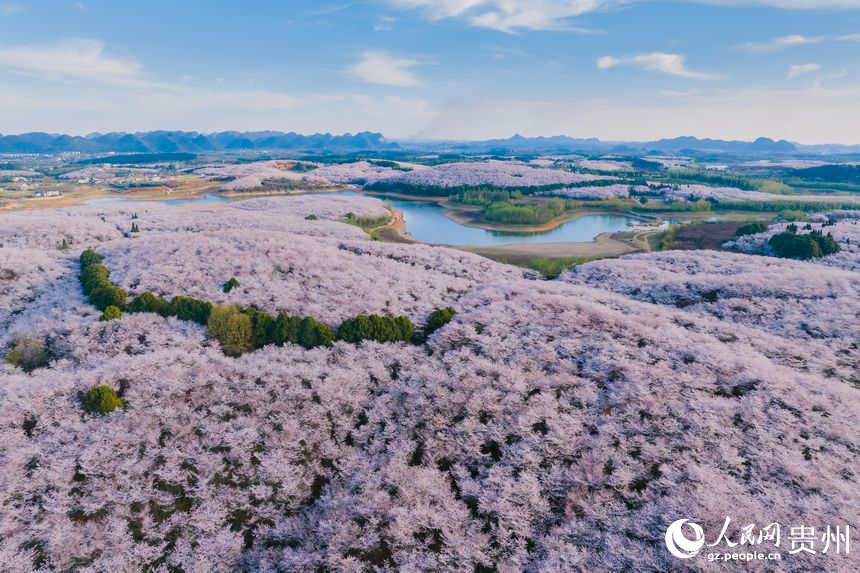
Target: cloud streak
{"points": [[794, 40], [71, 59], [672, 64], [510, 16], [382, 68], [802, 69]]}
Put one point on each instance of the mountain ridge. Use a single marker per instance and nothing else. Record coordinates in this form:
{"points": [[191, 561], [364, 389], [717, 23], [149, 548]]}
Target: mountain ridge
{"points": [[165, 141], [190, 142]]}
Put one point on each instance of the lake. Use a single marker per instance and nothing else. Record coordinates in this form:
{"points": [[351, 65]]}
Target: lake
{"points": [[426, 222]]}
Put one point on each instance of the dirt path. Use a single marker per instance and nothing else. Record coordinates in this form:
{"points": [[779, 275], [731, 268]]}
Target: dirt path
{"points": [[395, 230]]}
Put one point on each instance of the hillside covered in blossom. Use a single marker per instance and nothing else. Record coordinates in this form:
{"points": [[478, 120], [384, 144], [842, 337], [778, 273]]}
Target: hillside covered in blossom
{"points": [[550, 426]]}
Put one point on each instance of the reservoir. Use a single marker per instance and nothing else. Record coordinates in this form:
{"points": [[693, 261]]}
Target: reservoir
{"points": [[426, 222]]}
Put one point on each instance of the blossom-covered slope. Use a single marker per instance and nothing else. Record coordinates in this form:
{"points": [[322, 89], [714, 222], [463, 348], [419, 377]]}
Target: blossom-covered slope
{"points": [[551, 426], [495, 173], [843, 225]]}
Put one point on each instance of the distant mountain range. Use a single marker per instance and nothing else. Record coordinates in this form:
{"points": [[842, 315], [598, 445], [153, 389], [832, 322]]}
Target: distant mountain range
{"points": [[191, 142], [224, 141], [562, 143]]}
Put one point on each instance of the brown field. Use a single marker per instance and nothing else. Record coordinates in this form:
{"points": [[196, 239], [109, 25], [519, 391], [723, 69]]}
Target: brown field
{"points": [[695, 236]]}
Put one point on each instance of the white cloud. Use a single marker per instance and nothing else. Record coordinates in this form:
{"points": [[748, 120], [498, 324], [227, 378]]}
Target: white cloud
{"points": [[783, 42], [802, 69], [673, 64], [71, 59], [512, 15], [384, 69], [93, 90], [794, 40], [384, 24]]}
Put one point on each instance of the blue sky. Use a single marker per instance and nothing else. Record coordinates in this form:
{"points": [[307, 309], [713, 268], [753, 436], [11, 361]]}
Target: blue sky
{"points": [[614, 69]]}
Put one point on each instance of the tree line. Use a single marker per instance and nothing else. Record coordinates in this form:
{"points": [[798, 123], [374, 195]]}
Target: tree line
{"points": [[242, 329]]}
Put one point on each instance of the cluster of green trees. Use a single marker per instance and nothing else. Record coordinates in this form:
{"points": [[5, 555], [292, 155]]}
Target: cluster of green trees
{"points": [[182, 307], [376, 327], [829, 173], [645, 165], [95, 280], [714, 179], [139, 158], [536, 213], [388, 164], [791, 245], [781, 206], [485, 196], [241, 329], [111, 299], [751, 229]]}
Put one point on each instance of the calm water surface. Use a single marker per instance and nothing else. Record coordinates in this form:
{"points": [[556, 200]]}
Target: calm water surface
{"points": [[426, 221]]}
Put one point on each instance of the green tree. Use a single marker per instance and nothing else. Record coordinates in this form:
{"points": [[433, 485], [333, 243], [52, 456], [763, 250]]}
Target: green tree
{"points": [[28, 352], [147, 302], [403, 329], [94, 277], [751, 229], [826, 243], [263, 327], [103, 297], [230, 284], [111, 313], [439, 318], [90, 257], [188, 308], [286, 329], [232, 328], [313, 333], [101, 399]]}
